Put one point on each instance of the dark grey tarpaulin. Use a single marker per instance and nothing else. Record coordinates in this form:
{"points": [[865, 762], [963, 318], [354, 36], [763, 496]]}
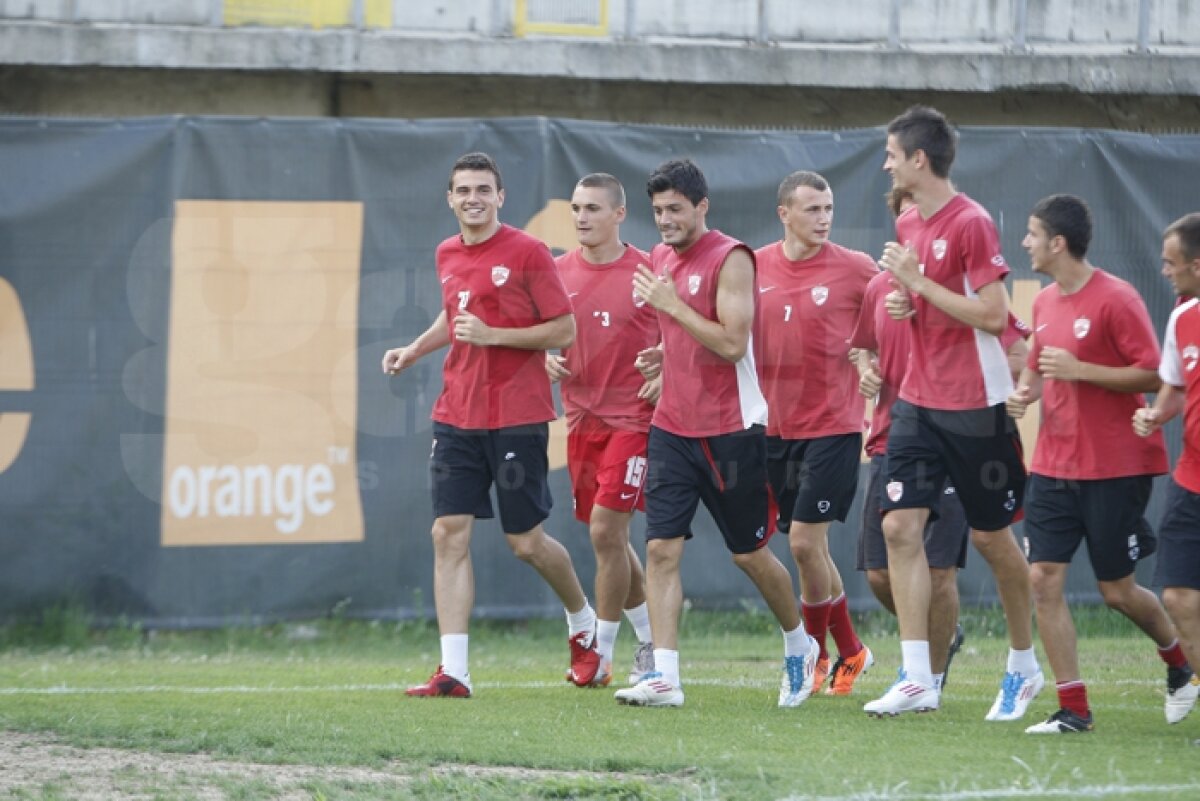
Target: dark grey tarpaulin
{"points": [[138, 249]]}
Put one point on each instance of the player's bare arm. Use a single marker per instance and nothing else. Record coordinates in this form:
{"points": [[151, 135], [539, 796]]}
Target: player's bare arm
{"points": [[729, 335], [988, 311], [556, 333], [1062, 365], [435, 337]]}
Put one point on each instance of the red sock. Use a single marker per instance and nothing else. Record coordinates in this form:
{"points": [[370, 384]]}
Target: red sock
{"points": [[1173, 655], [816, 622], [842, 629], [1072, 695]]}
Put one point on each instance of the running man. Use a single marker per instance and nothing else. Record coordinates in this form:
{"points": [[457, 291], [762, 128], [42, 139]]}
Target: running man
{"points": [[949, 418], [503, 305], [1178, 567], [707, 441], [1093, 356], [608, 406], [810, 293]]}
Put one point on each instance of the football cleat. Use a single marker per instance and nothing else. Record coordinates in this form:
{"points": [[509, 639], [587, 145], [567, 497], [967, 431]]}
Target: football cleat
{"points": [[1182, 688], [903, 696], [798, 681], [847, 670], [643, 662], [1064, 721], [1016, 692], [441, 685], [820, 672], [585, 660], [652, 690], [955, 647]]}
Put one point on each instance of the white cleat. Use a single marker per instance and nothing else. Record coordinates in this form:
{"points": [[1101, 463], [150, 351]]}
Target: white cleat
{"points": [[652, 690], [1183, 687], [903, 696], [1016, 693], [797, 682]]}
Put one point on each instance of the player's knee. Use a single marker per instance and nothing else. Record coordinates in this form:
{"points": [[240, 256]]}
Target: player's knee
{"points": [[449, 540], [1117, 595], [899, 533], [1181, 604], [803, 549], [526, 546], [607, 541]]}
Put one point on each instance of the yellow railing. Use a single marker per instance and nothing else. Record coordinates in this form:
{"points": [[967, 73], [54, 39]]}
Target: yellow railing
{"points": [[307, 13], [524, 25]]}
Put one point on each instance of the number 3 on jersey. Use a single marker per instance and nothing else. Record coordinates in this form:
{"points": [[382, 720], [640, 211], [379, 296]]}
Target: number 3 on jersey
{"points": [[604, 320]]}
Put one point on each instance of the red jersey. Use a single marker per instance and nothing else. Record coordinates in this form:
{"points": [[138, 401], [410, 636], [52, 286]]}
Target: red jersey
{"points": [[1181, 351], [508, 281], [807, 311], [889, 339], [703, 395], [612, 325], [1085, 432], [953, 365]]}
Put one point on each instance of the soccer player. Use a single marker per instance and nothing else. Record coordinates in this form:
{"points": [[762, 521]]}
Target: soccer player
{"points": [[949, 418], [1178, 567], [810, 292], [707, 441], [608, 406], [1094, 354], [883, 345], [503, 305]]}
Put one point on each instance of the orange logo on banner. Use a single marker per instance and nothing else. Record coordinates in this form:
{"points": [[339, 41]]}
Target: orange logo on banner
{"points": [[264, 312], [16, 372]]}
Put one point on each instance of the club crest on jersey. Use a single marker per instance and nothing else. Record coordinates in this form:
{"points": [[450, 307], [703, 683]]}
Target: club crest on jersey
{"points": [[693, 284], [822, 506], [820, 294], [499, 275], [895, 490], [939, 249], [1191, 354], [1082, 326]]}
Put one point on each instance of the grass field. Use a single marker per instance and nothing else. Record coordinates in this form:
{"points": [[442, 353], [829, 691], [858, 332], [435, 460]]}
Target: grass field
{"points": [[316, 711]]}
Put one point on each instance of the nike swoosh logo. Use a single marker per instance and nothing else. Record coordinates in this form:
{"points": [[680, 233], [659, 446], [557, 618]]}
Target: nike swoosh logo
{"points": [[1043, 325], [763, 289], [572, 294], [626, 497], [447, 278]]}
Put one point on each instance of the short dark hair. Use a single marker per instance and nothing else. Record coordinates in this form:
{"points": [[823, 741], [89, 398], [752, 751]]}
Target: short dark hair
{"points": [[603, 180], [896, 198], [925, 128], [479, 162], [797, 179], [1187, 228], [683, 176], [1069, 217]]}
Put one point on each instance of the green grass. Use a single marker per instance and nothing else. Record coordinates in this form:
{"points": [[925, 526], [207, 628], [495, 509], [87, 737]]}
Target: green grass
{"points": [[330, 695]]}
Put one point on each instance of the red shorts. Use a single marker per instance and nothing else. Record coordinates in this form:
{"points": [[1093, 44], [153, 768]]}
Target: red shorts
{"points": [[607, 467]]}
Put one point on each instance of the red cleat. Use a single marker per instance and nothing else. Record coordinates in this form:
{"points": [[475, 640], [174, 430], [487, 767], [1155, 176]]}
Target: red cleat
{"points": [[440, 685], [585, 660]]}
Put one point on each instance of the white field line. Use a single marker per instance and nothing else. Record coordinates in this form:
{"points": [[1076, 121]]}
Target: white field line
{"points": [[985, 794]]}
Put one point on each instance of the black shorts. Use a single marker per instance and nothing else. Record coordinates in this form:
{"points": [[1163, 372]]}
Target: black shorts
{"points": [[980, 451], [946, 537], [1109, 514], [465, 463], [814, 480], [1179, 535], [727, 472]]}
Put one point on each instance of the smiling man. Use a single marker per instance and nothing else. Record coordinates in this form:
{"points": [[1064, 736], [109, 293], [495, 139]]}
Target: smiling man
{"points": [[1094, 353], [707, 441], [810, 294], [503, 305]]}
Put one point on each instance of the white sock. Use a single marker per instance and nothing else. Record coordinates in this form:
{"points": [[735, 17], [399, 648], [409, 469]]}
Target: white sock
{"points": [[639, 618], [666, 662], [1023, 662], [583, 620], [937, 681], [454, 656], [916, 661], [795, 642], [606, 637]]}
